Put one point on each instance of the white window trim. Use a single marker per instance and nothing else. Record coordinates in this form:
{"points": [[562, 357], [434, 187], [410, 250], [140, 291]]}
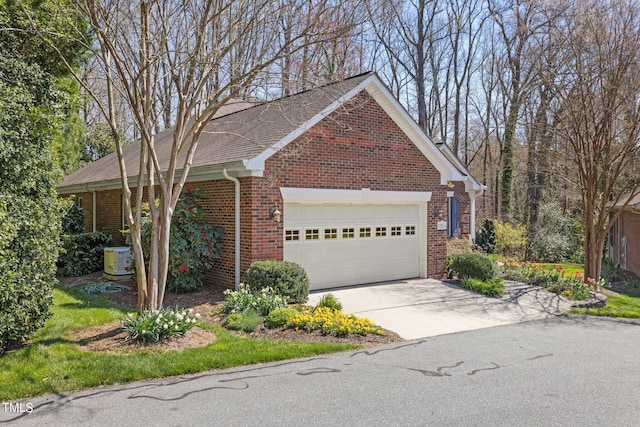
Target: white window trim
{"points": [[300, 236], [341, 233], [324, 234], [386, 232], [371, 232], [304, 237]]}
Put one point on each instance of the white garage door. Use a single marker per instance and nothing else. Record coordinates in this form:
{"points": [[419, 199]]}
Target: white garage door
{"points": [[341, 245]]}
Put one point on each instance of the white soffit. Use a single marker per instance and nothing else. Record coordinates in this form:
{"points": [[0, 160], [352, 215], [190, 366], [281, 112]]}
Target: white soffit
{"points": [[365, 195]]}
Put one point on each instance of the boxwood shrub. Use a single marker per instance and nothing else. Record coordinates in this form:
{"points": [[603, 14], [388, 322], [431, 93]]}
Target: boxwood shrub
{"points": [[472, 265], [286, 278]]}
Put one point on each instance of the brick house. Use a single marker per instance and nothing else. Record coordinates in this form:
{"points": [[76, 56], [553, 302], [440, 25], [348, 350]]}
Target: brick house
{"points": [[363, 194], [624, 237]]}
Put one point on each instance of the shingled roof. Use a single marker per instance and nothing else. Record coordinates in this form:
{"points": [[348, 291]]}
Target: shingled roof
{"points": [[241, 141], [235, 137]]}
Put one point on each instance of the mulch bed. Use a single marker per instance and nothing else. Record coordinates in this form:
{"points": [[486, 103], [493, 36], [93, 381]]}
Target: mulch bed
{"points": [[207, 301]]}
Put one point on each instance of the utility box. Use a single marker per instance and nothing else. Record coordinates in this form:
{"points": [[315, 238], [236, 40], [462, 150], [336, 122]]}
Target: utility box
{"points": [[117, 262]]}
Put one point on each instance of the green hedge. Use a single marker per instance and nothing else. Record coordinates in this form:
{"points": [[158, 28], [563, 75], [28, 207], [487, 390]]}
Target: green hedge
{"points": [[286, 278], [28, 250], [84, 253]]}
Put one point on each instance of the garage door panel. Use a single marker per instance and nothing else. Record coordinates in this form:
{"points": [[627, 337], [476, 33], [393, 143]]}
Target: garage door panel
{"points": [[334, 260]]}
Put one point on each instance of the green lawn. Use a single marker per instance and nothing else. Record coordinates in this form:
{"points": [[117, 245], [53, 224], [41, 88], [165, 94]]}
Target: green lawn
{"points": [[54, 363], [628, 305], [568, 268]]}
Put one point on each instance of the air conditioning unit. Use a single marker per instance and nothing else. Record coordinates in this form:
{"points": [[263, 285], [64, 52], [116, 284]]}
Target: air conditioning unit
{"points": [[117, 262]]}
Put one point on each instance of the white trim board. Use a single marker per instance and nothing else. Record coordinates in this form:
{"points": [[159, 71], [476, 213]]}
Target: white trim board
{"points": [[365, 195]]}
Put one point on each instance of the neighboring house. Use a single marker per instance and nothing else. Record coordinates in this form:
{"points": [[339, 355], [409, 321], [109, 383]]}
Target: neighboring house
{"points": [[624, 237], [364, 195]]}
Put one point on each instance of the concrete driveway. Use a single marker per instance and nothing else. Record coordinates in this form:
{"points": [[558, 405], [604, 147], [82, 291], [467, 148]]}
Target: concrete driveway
{"points": [[419, 308]]}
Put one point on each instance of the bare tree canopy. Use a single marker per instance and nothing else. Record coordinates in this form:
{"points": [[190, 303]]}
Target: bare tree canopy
{"points": [[179, 62], [598, 110]]}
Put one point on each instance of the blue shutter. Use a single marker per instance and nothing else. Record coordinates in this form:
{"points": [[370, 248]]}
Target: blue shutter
{"points": [[454, 217]]}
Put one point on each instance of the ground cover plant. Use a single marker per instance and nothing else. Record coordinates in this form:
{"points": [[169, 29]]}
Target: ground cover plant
{"points": [[55, 362], [569, 283], [493, 287]]}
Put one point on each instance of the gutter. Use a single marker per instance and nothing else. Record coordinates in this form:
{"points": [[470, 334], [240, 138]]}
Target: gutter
{"points": [[236, 181]]}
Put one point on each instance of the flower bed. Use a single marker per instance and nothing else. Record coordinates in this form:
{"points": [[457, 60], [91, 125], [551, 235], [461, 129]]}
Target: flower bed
{"points": [[574, 286]]}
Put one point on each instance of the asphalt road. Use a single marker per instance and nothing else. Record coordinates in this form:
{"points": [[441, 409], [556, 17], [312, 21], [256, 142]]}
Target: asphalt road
{"points": [[562, 371]]}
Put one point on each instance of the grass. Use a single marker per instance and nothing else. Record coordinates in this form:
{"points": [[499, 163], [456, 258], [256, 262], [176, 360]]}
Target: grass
{"points": [[54, 363], [569, 268], [627, 305]]}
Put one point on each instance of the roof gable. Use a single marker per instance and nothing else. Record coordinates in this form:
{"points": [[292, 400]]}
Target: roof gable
{"points": [[243, 140]]}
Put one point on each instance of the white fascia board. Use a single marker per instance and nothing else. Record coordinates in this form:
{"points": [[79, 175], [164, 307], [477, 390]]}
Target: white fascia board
{"points": [[365, 195], [473, 186], [405, 122], [257, 163], [196, 174]]}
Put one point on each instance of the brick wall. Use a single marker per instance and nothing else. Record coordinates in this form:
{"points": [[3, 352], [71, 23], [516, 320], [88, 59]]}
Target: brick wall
{"points": [[360, 147]]}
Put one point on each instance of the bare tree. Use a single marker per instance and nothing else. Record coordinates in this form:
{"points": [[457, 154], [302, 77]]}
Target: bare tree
{"points": [[598, 111], [412, 38], [197, 54]]}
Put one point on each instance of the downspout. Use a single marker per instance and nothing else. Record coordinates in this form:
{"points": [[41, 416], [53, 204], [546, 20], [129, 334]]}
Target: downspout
{"points": [[94, 204], [236, 181]]}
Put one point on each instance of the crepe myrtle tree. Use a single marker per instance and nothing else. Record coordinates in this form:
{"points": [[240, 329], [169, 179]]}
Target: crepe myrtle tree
{"points": [[203, 53], [598, 112]]}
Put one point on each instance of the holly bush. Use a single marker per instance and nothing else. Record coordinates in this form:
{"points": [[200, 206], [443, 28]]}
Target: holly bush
{"points": [[194, 244]]}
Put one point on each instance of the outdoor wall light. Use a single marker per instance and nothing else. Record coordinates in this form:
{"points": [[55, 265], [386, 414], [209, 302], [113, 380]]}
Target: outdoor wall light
{"points": [[450, 184], [438, 213], [275, 214]]}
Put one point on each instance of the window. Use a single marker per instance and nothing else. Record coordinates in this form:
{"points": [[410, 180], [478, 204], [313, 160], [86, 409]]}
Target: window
{"points": [[330, 233], [292, 235], [312, 234], [348, 232], [381, 231], [410, 230], [396, 230], [365, 232]]}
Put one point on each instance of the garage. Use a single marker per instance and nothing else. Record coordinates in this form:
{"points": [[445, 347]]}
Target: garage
{"points": [[343, 244]]}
